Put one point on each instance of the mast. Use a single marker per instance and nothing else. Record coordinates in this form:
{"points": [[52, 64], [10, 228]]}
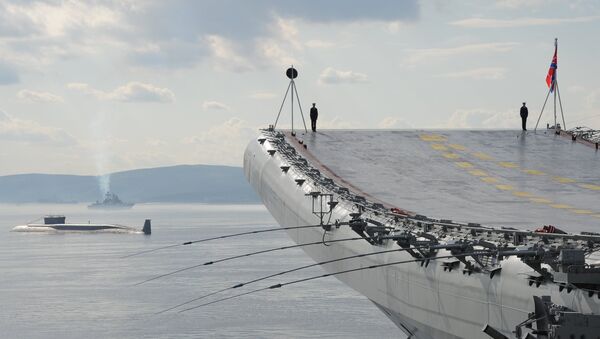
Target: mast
{"points": [[553, 88], [292, 74]]}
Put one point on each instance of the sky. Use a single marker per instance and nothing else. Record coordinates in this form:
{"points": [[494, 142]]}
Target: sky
{"points": [[101, 86]]}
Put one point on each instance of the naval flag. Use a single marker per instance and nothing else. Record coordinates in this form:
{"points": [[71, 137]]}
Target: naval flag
{"points": [[551, 77]]}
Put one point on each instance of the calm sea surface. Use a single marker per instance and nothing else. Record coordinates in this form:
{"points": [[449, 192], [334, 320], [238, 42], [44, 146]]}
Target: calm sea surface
{"points": [[76, 285]]}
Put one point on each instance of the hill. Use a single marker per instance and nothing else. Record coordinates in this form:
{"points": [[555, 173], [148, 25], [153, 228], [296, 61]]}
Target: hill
{"points": [[183, 183]]}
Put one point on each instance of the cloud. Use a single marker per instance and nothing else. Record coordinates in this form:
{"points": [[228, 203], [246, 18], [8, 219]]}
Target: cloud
{"points": [[515, 4], [421, 55], [485, 73], [141, 92], [242, 36], [354, 10], [156, 142], [337, 123], [225, 55], [130, 92], [57, 19], [482, 118], [315, 43], [174, 53], [8, 75], [177, 34], [282, 45], [393, 122], [36, 33], [275, 52], [33, 96], [225, 17], [519, 22], [334, 76], [222, 144], [27, 131], [287, 31], [214, 105]]}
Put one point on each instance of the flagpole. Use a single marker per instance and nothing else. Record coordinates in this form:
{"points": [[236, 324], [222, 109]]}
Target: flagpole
{"points": [[552, 89], [555, 80]]}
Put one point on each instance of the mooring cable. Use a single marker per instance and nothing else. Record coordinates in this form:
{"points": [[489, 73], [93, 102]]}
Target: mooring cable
{"points": [[289, 271], [221, 237], [251, 254], [334, 274]]}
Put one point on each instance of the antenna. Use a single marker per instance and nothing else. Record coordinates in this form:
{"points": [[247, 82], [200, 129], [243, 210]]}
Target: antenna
{"points": [[553, 88], [292, 74]]}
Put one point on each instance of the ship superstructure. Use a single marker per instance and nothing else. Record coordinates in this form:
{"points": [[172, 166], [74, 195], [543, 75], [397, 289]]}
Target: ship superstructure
{"points": [[111, 201], [506, 271]]}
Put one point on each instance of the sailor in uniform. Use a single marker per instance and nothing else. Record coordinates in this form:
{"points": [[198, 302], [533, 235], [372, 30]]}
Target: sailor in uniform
{"points": [[314, 114], [524, 114]]}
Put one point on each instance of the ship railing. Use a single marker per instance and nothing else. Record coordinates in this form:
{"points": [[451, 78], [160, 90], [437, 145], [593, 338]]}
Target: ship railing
{"points": [[302, 168]]}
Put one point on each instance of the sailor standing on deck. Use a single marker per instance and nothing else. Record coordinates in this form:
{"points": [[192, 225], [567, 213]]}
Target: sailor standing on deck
{"points": [[524, 114], [314, 114]]}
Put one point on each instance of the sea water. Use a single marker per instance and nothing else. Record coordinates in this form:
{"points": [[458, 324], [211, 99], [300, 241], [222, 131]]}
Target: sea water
{"points": [[77, 285]]}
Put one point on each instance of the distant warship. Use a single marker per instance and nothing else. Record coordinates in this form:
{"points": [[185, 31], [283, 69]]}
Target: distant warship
{"points": [[111, 201]]}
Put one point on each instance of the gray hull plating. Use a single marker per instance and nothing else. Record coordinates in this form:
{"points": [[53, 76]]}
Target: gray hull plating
{"points": [[429, 302]]}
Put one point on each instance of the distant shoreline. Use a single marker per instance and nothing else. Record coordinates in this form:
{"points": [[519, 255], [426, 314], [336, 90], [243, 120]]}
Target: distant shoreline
{"points": [[140, 203], [202, 184]]}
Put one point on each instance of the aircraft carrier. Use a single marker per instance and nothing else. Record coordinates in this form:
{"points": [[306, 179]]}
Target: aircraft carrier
{"points": [[494, 230]]}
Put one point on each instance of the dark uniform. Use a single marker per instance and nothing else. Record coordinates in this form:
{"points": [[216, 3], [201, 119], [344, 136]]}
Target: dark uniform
{"points": [[524, 114], [314, 114]]}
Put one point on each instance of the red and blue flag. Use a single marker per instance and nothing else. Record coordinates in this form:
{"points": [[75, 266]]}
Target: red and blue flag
{"points": [[551, 77]]}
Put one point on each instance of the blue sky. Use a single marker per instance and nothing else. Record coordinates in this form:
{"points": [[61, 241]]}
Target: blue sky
{"points": [[99, 86]]}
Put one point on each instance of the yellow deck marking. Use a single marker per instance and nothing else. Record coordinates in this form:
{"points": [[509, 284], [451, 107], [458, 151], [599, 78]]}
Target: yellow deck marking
{"points": [[541, 200], [508, 164], [561, 206], [563, 180], [522, 194], [432, 137], [478, 173], [582, 211], [439, 147], [482, 156], [458, 147], [489, 180], [451, 155], [590, 186], [596, 215], [505, 187], [534, 172], [464, 164]]}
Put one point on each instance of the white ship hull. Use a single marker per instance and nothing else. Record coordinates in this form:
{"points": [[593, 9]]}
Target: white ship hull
{"points": [[425, 302]]}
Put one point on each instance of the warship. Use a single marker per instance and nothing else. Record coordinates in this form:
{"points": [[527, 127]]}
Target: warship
{"points": [[58, 223], [111, 201], [464, 234]]}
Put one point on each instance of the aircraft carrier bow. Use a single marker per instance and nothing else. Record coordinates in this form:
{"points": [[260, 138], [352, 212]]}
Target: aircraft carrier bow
{"points": [[494, 229]]}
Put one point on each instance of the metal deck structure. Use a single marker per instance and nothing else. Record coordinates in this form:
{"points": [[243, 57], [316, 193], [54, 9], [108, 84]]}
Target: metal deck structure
{"points": [[495, 178], [466, 205]]}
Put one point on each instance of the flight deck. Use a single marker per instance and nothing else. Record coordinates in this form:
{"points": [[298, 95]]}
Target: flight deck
{"points": [[495, 178]]}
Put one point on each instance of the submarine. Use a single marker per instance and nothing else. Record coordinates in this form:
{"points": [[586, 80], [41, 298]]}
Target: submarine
{"points": [[58, 223]]}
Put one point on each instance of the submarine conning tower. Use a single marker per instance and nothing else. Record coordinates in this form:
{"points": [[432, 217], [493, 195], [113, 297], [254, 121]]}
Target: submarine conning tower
{"points": [[147, 229], [54, 219]]}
